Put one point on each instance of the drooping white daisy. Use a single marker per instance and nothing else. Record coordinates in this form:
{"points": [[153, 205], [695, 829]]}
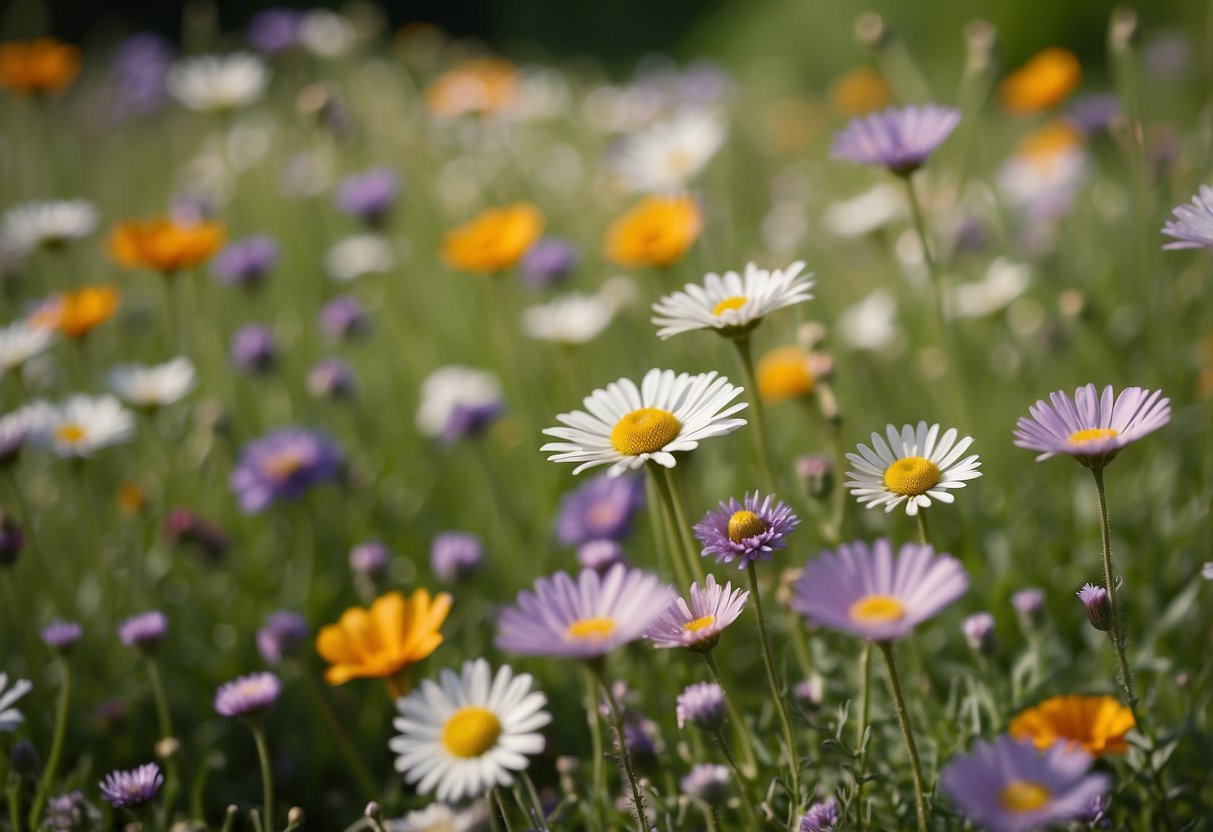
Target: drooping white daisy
{"points": [[914, 467], [730, 303], [218, 83], [19, 342], [156, 386], [359, 255], [469, 733], [438, 817], [10, 717], [626, 425], [81, 425], [573, 318], [48, 224], [667, 155]]}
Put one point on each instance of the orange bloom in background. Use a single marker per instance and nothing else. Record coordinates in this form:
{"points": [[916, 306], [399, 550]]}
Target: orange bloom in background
{"points": [[40, 67], [480, 85], [860, 91], [164, 245], [1042, 83], [656, 232], [132, 499], [493, 240], [379, 642], [77, 313], [1055, 137], [1096, 723], [785, 373]]}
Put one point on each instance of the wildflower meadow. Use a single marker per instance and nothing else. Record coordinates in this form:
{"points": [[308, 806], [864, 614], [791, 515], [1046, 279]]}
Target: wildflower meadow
{"points": [[399, 433]]}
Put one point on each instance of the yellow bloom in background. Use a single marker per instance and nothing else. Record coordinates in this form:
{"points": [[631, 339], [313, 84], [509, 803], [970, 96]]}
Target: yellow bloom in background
{"points": [[1042, 83], [40, 67], [77, 313], [481, 85], [1097, 724], [860, 91], [785, 373], [165, 245], [656, 232], [379, 642], [493, 240]]}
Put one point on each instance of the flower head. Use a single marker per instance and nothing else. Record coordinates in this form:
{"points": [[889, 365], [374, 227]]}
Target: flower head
{"points": [[371, 557], [584, 617], [1009, 786], [82, 425], [601, 555], [667, 155], [1192, 226], [821, 817], [77, 313], [358, 256], [134, 788], [164, 244], [284, 465], [39, 67], [344, 317], [151, 387], [1092, 427], [369, 196], [1096, 724], [746, 532], [708, 782], [899, 138], [218, 83], [701, 704], [10, 717], [790, 372], [916, 466], [248, 696], [469, 733], [1098, 606], [570, 319], [61, 635], [454, 556], [144, 631], [1042, 83], [602, 508], [459, 402], [697, 625], [978, 630], [860, 91], [548, 262], [51, 224], [253, 348], [657, 231], [379, 642], [331, 378], [22, 340], [439, 817], [246, 262], [493, 240], [868, 592], [1029, 607], [274, 30], [281, 636], [627, 425], [732, 304], [481, 85]]}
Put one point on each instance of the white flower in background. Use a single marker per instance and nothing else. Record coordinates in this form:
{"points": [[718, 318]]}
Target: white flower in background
{"points": [[542, 94], [359, 255], [870, 324], [10, 717], [438, 817], [667, 155], [863, 214], [326, 34], [458, 401], [572, 318], [1043, 182], [19, 342], [150, 387], [732, 302], [46, 224], [81, 425], [1004, 281], [218, 83]]}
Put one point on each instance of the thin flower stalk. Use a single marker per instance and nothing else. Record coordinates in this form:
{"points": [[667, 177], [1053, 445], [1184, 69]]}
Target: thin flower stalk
{"points": [[903, 721]]}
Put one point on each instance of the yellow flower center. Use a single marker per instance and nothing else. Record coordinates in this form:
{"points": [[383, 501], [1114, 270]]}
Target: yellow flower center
{"points": [[591, 629], [645, 431], [70, 434], [1023, 796], [282, 465], [735, 302], [699, 624], [744, 525], [912, 476], [1082, 437], [877, 609], [471, 731]]}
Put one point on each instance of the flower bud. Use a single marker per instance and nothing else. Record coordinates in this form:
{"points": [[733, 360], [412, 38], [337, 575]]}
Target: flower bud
{"points": [[1029, 606], [1098, 606], [24, 759], [979, 633], [817, 474]]}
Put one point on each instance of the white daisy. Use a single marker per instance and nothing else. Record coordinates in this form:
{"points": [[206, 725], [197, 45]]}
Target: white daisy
{"points": [[626, 425], [870, 324], [218, 83], [1004, 281], [438, 817], [81, 425], [359, 255], [457, 401], [326, 34], [667, 155], [573, 318], [915, 466], [10, 717], [48, 224], [467, 734], [157, 386], [867, 212], [19, 342], [731, 303]]}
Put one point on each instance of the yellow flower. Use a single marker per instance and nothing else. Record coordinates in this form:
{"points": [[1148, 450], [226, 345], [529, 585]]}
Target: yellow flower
{"points": [[377, 643], [481, 85], [785, 373], [1042, 83], [41, 66], [77, 313], [492, 240], [860, 91], [656, 232], [164, 245], [1097, 724], [132, 499]]}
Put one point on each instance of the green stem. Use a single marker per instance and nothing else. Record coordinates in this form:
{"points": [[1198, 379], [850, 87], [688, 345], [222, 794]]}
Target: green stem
{"points": [[13, 798], [924, 536], [672, 500], [749, 764], [781, 706], [598, 801], [747, 805], [757, 412], [52, 762], [642, 821], [920, 227], [533, 794], [163, 719], [903, 720], [839, 496], [865, 701], [499, 810], [352, 758], [267, 775], [671, 542]]}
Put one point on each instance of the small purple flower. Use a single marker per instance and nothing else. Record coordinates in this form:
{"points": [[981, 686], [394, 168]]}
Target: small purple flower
{"points": [[1092, 427], [821, 817], [707, 782], [600, 555], [186, 528], [602, 508], [247, 262], [331, 378], [900, 138], [370, 558], [458, 402], [274, 30], [369, 196], [817, 474], [134, 788], [1193, 224], [344, 318], [68, 812], [140, 74], [979, 633], [61, 635], [701, 704], [640, 734], [746, 532], [697, 625], [281, 636], [144, 631], [1093, 114], [548, 262], [248, 696], [1029, 606], [454, 556], [253, 349], [1098, 606], [283, 465], [810, 692], [12, 539]]}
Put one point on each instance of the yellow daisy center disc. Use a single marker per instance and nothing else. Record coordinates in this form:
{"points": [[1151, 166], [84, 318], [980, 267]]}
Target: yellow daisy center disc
{"points": [[1082, 437], [735, 302], [1023, 796], [645, 431], [744, 525], [471, 731], [877, 609], [69, 433], [584, 629], [912, 476], [700, 623]]}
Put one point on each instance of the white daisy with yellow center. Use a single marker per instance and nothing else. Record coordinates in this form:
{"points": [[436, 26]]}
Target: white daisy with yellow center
{"points": [[915, 466], [625, 425], [156, 386], [732, 303], [666, 156], [468, 733], [81, 425], [218, 83]]}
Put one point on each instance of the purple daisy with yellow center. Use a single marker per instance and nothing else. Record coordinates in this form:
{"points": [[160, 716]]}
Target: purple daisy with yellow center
{"points": [[746, 532]]}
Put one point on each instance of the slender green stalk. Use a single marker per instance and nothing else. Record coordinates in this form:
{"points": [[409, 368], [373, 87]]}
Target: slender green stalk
{"points": [[838, 498], [642, 821], [598, 800], [352, 757], [781, 707], [229, 817], [924, 536], [52, 762], [13, 798], [865, 702], [670, 541], [498, 808], [165, 725], [747, 806], [533, 794], [903, 720], [920, 227], [671, 499], [749, 764], [267, 774], [757, 413]]}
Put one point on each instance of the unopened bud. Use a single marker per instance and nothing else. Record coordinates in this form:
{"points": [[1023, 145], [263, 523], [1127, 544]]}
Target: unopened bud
{"points": [[295, 816], [24, 759], [1123, 30], [1098, 606], [871, 31], [817, 475], [371, 810], [167, 748], [1029, 607], [979, 633]]}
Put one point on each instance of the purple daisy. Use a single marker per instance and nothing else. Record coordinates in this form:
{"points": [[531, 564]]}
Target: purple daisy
{"points": [[1092, 427], [61, 635], [248, 696], [1009, 786], [281, 636], [369, 196], [701, 704], [144, 631], [866, 591], [1193, 224], [134, 788], [1029, 606], [548, 262], [253, 349], [247, 262], [899, 138], [370, 558], [344, 318], [821, 817], [584, 617], [603, 508], [283, 465], [331, 378], [746, 532], [455, 556], [697, 626], [601, 555]]}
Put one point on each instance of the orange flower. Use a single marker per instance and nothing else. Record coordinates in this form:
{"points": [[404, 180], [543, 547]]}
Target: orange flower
{"points": [[785, 373], [379, 642], [164, 245], [132, 499], [492, 240], [481, 85], [1055, 137], [656, 232], [77, 313], [41, 66], [861, 91], [1097, 724], [1042, 83]]}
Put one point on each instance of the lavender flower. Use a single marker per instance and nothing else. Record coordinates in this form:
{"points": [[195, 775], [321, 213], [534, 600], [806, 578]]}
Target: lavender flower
{"points": [[821, 817], [810, 692], [697, 625], [979, 633], [344, 318], [1029, 607], [900, 138], [1098, 606], [369, 196], [140, 74], [134, 788], [603, 508], [1093, 114], [331, 378], [253, 349], [707, 782], [1193, 224], [281, 636], [1092, 427], [701, 704], [547, 262], [455, 556], [144, 631], [61, 635], [370, 558], [274, 30], [250, 695], [746, 532], [458, 402], [246, 263], [69, 812], [601, 555], [283, 465]]}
